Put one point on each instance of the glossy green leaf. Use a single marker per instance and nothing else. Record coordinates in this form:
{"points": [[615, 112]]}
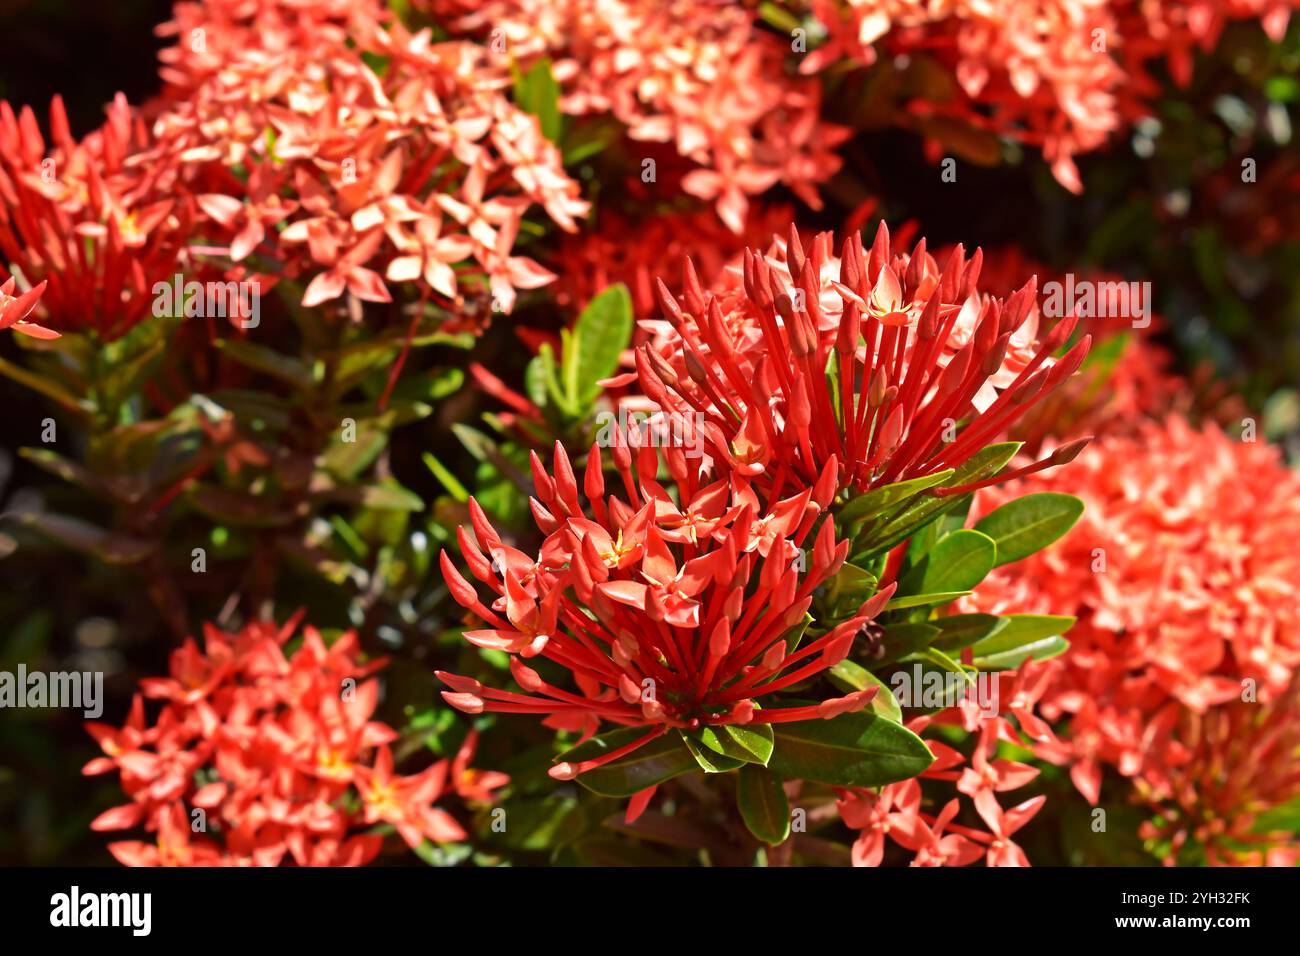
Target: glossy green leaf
{"points": [[763, 804], [942, 661], [537, 92], [845, 592], [853, 750], [848, 676], [750, 743], [709, 760], [1023, 636], [957, 562], [985, 463], [660, 759], [1029, 524], [899, 640], [958, 631], [600, 335], [924, 600], [879, 499]]}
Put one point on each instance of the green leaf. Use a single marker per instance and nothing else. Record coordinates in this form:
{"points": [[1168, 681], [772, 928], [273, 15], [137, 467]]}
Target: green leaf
{"points": [[750, 743], [763, 805], [444, 475], [538, 93], [109, 547], [962, 630], [924, 600], [1023, 636], [1285, 816], [67, 469], [985, 463], [853, 750], [234, 507], [848, 676], [589, 138], [535, 377], [709, 760], [46, 387], [125, 376], [873, 540], [901, 640], [389, 497], [919, 545], [267, 360], [877, 500], [543, 369], [845, 592], [942, 661], [795, 635], [599, 337], [1029, 524], [661, 759], [957, 562]]}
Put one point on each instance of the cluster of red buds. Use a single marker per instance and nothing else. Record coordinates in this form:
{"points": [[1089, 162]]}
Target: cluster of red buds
{"points": [[667, 612], [924, 371]]}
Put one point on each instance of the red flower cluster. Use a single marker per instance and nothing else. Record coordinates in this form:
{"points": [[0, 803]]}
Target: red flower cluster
{"points": [[414, 170], [267, 754], [699, 75], [281, 153], [1023, 68], [895, 810], [1240, 764], [1174, 31], [97, 221], [1062, 75], [916, 349], [1185, 578], [667, 612]]}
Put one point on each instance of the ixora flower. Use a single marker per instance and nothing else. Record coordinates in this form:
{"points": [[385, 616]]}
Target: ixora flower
{"points": [[358, 176], [896, 811], [702, 77], [1059, 75], [880, 367], [683, 613], [1029, 70], [1227, 803], [1185, 579], [14, 310], [258, 756], [88, 219]]}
